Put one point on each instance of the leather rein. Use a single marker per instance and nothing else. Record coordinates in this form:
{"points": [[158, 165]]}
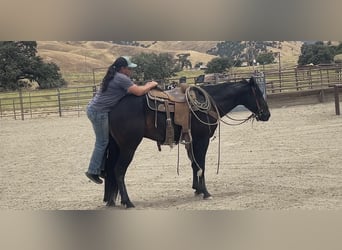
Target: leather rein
{"points": [[240, 121]]}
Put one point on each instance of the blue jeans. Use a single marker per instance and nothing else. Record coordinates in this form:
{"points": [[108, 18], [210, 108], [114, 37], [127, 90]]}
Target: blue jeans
{"points": [[100, 124]]}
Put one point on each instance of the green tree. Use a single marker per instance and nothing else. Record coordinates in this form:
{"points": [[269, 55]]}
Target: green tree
{"points": [[265, 58], [241, 50], [153, 66], [338, 49], [338, 53], [218, 65], [184, 61], [316, 53], [198, 65], [18, 61], [231, 49]]}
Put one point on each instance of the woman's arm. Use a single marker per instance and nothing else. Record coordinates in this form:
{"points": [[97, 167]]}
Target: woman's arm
{"points": [[141, 90]]}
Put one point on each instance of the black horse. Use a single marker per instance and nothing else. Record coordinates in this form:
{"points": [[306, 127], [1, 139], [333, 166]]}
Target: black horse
{"points": [[131, 120]]}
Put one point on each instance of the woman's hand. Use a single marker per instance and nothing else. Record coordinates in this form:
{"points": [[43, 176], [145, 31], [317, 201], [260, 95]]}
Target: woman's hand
{"points": [[152, 84], [141, 90]]}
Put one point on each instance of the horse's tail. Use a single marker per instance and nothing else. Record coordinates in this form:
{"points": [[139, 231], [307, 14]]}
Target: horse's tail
{"points": [[111, 186]]}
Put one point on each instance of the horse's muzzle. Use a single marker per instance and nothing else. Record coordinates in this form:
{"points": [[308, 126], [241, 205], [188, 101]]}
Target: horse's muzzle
{"points": [[263, 116]]}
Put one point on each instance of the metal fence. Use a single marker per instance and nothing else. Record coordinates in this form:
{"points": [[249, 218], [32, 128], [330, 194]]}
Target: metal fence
{"points": [[72, 101], [297, 78], [57, 102]]}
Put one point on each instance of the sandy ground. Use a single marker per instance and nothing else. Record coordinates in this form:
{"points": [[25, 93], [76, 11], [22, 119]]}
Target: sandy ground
{"points": [[292, 161]]}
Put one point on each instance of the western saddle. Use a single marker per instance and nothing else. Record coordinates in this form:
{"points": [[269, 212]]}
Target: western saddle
{"points": [[171, 101]]}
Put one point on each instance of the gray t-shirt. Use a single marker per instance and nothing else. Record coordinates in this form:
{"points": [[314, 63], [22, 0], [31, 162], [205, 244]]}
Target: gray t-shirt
{"points": [[117, 88]]}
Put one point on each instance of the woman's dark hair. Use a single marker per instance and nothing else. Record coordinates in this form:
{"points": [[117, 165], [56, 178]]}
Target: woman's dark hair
{"points": [[115, 67]]}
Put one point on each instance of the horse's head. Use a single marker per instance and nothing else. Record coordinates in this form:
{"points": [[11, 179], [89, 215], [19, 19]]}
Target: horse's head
{"points": [[256, 102]]}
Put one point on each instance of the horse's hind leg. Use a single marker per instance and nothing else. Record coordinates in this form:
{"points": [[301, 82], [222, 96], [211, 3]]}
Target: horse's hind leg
{"points": [[111, 186], [111, 195]]}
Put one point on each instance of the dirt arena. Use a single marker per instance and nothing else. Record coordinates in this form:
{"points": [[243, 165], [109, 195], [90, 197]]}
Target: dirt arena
{"points": [[292, 161]]}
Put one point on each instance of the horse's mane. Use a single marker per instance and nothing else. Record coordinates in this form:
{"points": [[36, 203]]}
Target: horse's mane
{"points": [[227, 86]]}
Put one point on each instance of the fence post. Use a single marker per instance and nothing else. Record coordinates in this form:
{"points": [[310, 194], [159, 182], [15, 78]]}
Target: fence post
{"points": [[279, 68], [337, 100], [296, 77], [15, 116], [30, 104], [94, 90], [94, 76], [21, 104], [310, 78], [59, 103], [78, 103]]}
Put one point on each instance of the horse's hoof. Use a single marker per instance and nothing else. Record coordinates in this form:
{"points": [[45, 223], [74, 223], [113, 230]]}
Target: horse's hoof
{"points": [[207, 197], [110, 203], [127, 204], [130, 205], [197, 193]]}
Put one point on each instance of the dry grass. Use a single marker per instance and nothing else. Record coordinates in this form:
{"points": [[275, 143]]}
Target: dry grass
{"points": [[83, 56]]}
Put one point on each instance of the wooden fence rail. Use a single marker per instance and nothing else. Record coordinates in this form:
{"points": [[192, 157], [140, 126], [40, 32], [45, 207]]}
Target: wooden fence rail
{"points": [[72, 101]]}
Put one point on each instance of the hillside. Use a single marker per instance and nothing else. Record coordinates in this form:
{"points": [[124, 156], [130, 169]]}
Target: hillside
{"points": [[83, 56]]}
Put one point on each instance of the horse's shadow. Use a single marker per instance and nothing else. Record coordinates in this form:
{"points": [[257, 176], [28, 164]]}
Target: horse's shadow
{"points": [[184, 201]]}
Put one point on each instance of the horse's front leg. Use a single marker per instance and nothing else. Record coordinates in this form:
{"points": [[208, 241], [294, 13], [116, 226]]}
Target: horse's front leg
{"points": [[197, 153], [199, 182], [202, 188]]}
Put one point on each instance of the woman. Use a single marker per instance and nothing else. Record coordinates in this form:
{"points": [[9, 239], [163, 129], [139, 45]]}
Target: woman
{"points": [[115, 85]]}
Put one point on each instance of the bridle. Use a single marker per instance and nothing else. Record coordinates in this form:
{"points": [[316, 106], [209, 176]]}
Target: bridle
{"points": [[252, 116], [260, 110]]}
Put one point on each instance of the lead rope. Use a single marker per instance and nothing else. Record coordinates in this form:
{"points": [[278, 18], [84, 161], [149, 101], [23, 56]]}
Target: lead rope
{"points": [[178, 161], [204, 108], [242, 121], [208, 100], [219, 148], [155, 113]]}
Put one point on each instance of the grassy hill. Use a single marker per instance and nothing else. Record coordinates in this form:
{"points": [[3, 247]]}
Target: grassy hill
{"points": [[84, 56], [77, 59]]}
